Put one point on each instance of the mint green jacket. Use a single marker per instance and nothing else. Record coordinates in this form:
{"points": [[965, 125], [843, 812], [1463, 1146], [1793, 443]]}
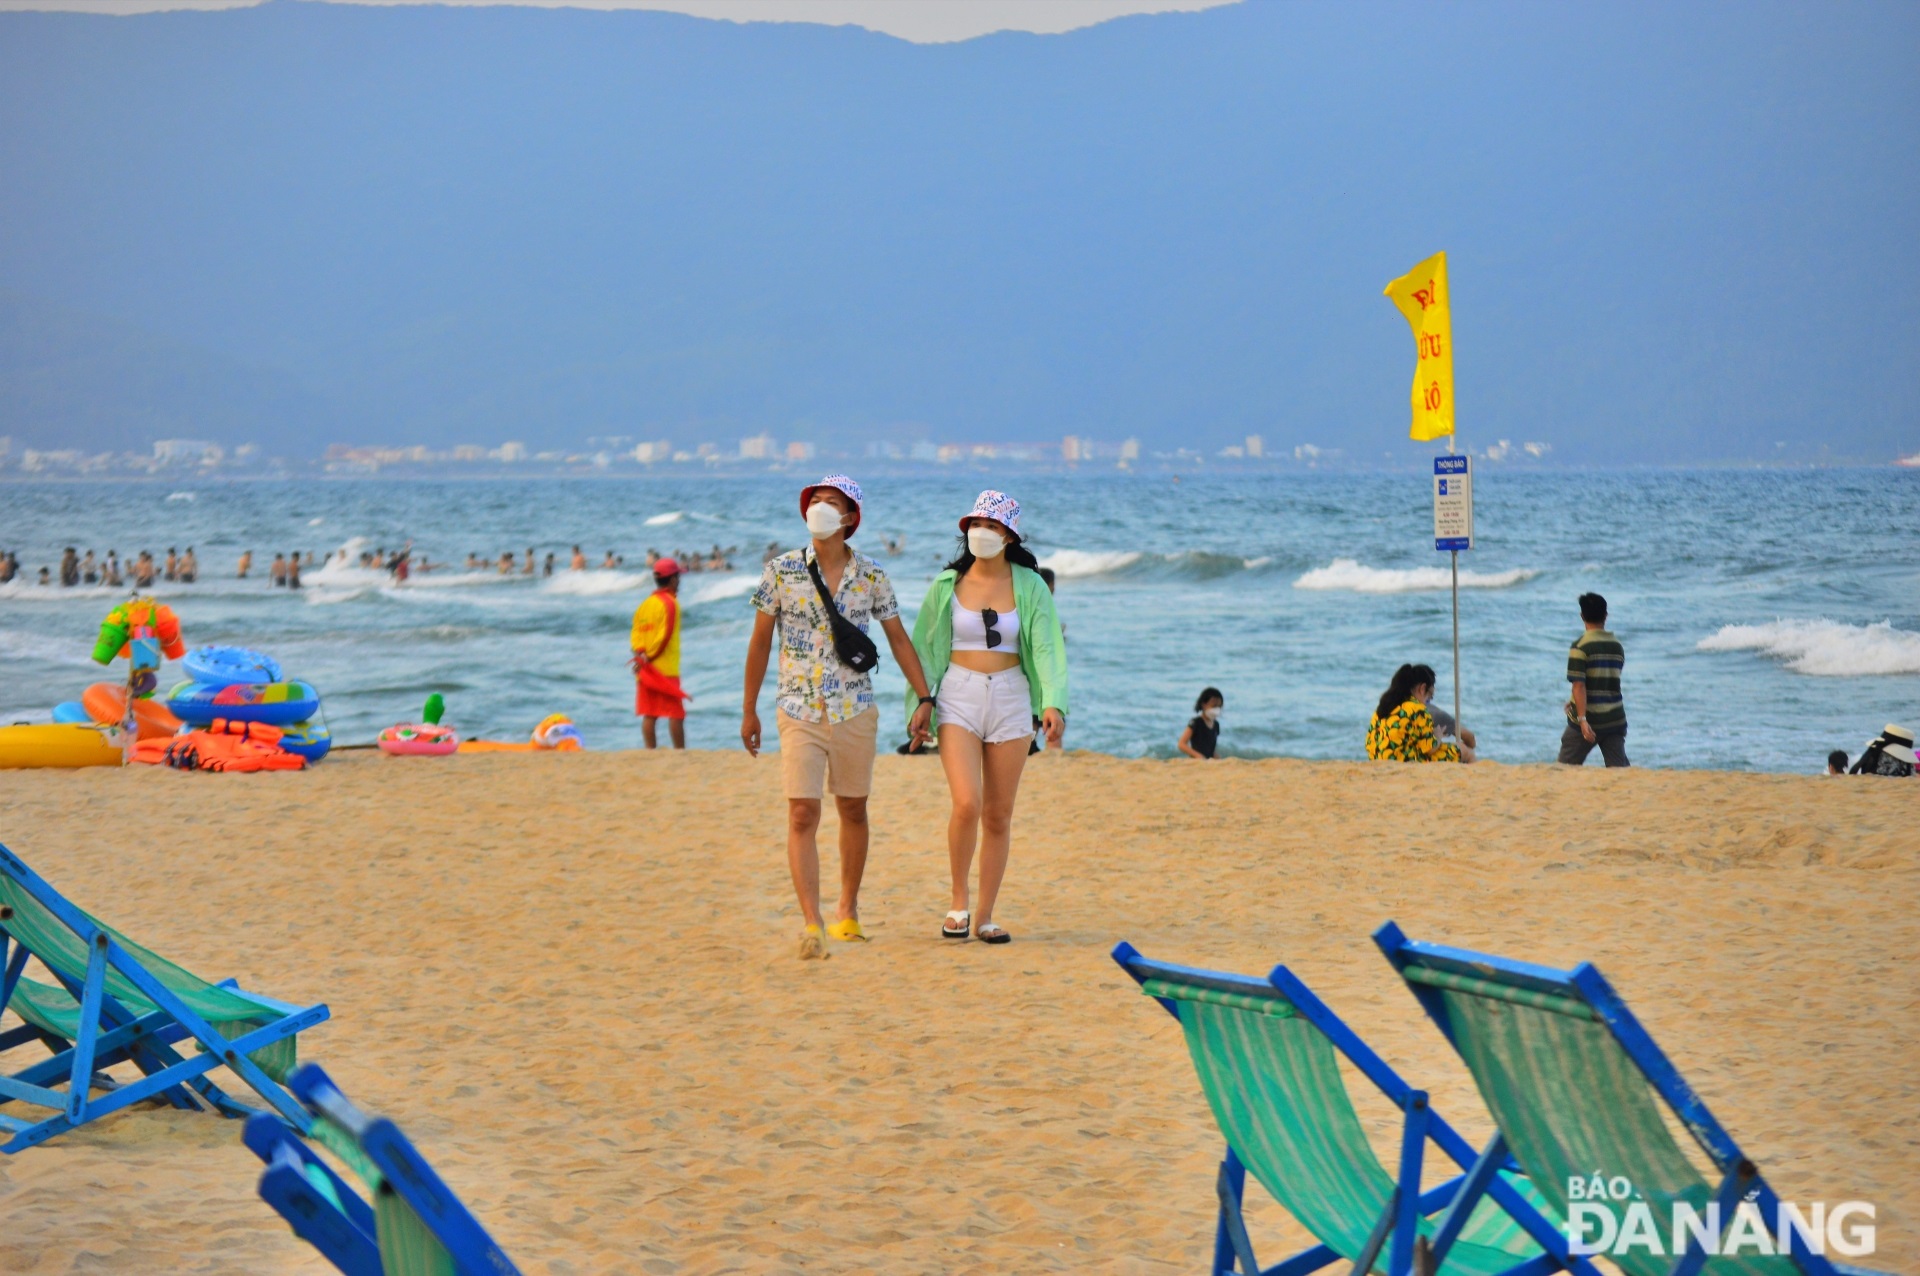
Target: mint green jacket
{"points": [[1043, 651]]}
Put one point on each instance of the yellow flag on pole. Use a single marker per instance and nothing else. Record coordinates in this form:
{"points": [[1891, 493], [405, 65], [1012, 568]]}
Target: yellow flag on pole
{"points": [[1422, 296]]}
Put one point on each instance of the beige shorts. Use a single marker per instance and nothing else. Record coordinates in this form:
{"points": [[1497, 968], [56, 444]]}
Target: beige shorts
{"points": [[837, 754]]}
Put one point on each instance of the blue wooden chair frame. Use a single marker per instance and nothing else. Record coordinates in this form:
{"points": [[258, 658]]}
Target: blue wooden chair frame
{"points": [[1398, 1227], [342, 1228], [1740, 1178], [110, 1033]]}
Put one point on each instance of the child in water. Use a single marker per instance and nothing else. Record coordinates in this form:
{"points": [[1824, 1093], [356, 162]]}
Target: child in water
{"points": [[1202, 735]]}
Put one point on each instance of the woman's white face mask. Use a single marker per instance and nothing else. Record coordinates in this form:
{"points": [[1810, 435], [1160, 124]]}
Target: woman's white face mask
{"points": [[823, 519], [1211, 713], [985, 542]]}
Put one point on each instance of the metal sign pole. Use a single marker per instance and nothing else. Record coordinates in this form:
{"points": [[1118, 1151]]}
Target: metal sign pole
{"points": [[1455, 555]]}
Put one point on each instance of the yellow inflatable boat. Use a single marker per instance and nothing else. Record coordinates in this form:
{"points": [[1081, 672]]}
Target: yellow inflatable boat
{"points": [[57, 744]]}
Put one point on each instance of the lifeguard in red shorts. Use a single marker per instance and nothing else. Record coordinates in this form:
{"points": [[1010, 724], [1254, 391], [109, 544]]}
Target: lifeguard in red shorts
{"points": [[656, 658]]}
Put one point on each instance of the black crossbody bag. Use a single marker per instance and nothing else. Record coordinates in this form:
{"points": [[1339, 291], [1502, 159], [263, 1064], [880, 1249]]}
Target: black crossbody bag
{"points": [[855, 649]]}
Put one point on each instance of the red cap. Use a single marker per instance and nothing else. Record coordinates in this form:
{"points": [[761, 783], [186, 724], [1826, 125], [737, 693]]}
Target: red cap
{"points": [[664, 566]]}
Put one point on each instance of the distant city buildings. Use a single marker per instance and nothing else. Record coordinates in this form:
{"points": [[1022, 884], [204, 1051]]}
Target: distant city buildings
{"points": [[613, 453]]}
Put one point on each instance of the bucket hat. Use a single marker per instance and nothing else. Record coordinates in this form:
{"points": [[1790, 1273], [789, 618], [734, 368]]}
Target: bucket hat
{"points": [[841, 484], [999, 507]]}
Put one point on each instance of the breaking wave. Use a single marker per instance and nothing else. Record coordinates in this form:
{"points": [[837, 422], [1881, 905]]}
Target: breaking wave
{"points": [[1070, 564], [1825, 648], [1353, 576]]}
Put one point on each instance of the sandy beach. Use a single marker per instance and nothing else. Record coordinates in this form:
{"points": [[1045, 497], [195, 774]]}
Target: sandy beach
{"points": [[571, 979]]}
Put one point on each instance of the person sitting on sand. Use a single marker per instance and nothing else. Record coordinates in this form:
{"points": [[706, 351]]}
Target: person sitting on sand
{"points": [[1202, 735], [1445, 728], [825, 709], [1837, 762], [1890, 753], [656, 658], [1402, 727]]}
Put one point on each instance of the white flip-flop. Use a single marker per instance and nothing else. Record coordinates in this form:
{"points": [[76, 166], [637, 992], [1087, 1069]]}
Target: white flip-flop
{"points": [[960, 917]]}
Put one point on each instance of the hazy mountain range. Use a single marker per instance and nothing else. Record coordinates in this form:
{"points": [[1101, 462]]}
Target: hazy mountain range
{"points": [[1676, 232]]}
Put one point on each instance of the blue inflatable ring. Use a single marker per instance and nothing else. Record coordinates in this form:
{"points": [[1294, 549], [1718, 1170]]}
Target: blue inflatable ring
{"points": [[278, 704], [224, 666]]}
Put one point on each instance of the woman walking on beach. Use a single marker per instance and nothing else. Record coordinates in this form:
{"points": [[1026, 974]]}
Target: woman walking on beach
{"points": [[989, 640], [1402, 727]]}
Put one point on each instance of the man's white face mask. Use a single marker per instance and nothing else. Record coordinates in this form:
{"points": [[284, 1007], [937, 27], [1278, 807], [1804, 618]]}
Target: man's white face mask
{"points": [[824, 519]]}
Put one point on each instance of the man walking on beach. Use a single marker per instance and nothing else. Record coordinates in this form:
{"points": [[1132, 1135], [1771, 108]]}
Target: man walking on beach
{"points": [[825, 709], [1596, 715], [656, 658]]}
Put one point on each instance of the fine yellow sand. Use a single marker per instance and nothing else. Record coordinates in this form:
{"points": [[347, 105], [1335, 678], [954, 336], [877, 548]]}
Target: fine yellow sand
{"points": [[571, 979]]}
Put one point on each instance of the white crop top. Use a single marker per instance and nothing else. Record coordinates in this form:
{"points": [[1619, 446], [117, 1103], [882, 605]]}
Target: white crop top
{"points": [[970, 630]]}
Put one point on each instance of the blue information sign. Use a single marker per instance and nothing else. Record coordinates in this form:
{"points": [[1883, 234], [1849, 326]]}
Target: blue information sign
{"points": [[1452, 502]]}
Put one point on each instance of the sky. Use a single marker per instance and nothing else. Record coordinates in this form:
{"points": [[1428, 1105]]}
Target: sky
{"points": [[1676, 234], [920, 21]]}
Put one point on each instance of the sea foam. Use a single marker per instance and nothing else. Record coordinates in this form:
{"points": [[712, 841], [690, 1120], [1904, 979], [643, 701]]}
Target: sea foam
{"points": [[1352, 576], [1825, 648], [1070, 563]]}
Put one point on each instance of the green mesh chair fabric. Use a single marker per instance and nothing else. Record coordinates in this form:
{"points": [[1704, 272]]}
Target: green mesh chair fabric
{"points": [[1273, 1081], [52, 1010], [1573, 1104], [408, 1246]]}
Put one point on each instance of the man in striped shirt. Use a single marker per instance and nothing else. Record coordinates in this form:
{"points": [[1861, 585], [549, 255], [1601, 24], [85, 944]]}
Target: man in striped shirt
{"points": [[1596, 714]]}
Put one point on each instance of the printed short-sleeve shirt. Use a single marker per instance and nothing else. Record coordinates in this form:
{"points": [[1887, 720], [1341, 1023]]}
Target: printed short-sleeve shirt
{"points": [[814, 685]]}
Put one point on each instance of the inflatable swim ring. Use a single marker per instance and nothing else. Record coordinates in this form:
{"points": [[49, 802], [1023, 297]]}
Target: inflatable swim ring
{"points": [[105, 702], [57, 744], [556, 731], [224, 666], [275, 703], [419, 738], [73, 713], [310, 740]]}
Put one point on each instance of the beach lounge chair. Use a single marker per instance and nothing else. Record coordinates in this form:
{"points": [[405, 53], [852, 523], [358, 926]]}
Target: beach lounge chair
{"points": [[415, 1225], [1576, 1086], [115, 1002], [1265, 1050]]}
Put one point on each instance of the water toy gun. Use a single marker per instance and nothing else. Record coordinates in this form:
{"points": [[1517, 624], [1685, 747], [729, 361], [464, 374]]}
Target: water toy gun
{"points": [[433, 710]]}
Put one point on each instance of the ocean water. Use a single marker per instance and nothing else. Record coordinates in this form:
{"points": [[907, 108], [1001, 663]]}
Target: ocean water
{"points": [[1768, 616]]}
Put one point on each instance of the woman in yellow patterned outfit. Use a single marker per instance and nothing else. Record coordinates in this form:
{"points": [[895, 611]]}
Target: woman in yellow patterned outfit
{"points": [[1402, 729]]}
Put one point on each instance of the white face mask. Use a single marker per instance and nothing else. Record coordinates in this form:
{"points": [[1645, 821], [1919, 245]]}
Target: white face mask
{"points": [[1211, 713], [823, 520], [984, 542]]}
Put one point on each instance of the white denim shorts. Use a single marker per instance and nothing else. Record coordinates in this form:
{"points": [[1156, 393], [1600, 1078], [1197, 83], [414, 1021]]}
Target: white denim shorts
{"points": [[997, 707]]}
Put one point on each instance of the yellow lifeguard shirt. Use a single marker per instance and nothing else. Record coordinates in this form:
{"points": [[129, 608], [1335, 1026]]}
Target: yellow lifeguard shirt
{"points": [[650, 625]]}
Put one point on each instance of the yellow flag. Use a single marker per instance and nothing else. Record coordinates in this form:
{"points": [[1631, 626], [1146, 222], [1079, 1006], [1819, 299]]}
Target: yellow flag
{"points": [[1422, 296]]}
